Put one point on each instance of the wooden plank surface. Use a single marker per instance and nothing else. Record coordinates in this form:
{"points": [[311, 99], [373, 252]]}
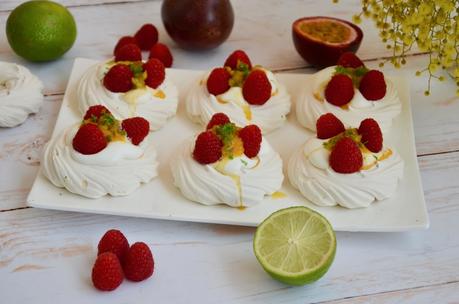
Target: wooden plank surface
{"points": [[444, 293], [52, 252]]}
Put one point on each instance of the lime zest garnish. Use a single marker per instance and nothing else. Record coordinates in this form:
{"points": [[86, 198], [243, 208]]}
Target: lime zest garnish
{"points": [[355, 74], [352, 133]]}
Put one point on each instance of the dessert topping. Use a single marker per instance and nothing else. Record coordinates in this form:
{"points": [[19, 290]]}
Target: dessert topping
{"points": [[251, 138], [350, 60], [257, 88], [218, 81], [346, 156], [371, 135], [119, 78], [224, 139], [236, 58], [156, 73], [208, 148], [128, 52], [373, 86], [328, 125], [217, 119], [136, 128], [339, 90]]}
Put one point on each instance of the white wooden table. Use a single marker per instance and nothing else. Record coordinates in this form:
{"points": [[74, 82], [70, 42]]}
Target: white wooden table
{"points": [[46, 256]]}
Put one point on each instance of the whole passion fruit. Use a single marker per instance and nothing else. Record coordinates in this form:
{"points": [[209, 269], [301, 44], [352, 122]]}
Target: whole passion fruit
{"points": [[198, 24], [322, 40]]}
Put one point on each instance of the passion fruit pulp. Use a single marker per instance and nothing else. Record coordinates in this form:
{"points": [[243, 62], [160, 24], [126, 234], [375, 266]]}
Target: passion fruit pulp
{"points": [[322, 40]]}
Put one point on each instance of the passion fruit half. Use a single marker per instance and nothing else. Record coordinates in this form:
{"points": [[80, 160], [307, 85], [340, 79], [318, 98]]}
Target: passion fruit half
{"points": [[321, 40]]}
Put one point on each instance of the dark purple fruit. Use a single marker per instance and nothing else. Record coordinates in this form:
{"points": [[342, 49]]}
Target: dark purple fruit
{"points": [[322, 40], [198, 24]]}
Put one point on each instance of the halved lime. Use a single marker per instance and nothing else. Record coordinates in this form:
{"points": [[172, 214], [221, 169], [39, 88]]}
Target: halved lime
{"points": [[295, 245]]}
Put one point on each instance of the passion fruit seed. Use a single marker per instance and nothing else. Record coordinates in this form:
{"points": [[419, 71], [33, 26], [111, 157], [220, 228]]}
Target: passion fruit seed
{"points": [[327, 31]]}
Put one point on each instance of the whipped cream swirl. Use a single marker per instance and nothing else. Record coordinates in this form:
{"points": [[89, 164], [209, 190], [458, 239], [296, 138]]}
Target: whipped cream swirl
{"points": [[117, 170], [201, 105], [310, 173], [155, 105], [239, 182], [20, 94], [312, 104]]}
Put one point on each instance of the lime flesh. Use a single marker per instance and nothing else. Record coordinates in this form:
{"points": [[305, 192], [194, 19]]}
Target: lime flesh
{"points": [[295, 245]]}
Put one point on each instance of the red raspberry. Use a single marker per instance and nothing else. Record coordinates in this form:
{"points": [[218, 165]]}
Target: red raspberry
{"points": [[96, 111], [236, 57], [89, 139], [218, 81], [328, 125], [373, 85], [139, 263], [339, 90], [207, 148], [346, 156], [256, 88], [115, 242], [146, 36], [371, 135], [124, 41], [251, 138], [218, 119], [118, 79], [349, 60], [161, 51], [107, 273], [136, 128], [156, 73], [128, 52]]}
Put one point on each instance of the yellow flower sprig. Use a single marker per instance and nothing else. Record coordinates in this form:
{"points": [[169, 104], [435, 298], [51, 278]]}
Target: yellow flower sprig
{"points": [[432, 25]]}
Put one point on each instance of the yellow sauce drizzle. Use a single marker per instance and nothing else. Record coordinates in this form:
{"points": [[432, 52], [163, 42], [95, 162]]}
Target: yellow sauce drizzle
{"points": [[318, 97], [220, 167], [278, 195], [245, 108], [384, 156], [345, 107], [159, 94]]}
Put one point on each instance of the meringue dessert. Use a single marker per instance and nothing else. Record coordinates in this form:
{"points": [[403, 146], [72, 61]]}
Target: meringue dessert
{"points": [[227, 165], [248, 95], [351, 92], [101, 155], [350, 168], [128, 88], [20, 94]]}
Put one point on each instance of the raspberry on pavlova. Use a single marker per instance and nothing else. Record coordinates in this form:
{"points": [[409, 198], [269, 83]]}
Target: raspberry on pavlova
{"points": [[101, 155], [129, 87], [247, 94], [226, 164], [347, 167], [351, 92]]}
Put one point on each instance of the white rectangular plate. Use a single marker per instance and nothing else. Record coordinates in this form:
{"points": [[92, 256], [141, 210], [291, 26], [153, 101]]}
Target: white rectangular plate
{"points": [[159, 199]]}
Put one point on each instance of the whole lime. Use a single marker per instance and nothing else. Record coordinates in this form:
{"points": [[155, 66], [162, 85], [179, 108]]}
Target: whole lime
{"points": [[40, 30]]}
